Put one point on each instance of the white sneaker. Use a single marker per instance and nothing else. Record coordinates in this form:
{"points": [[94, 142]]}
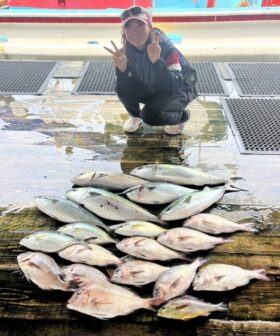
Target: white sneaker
{"points": [[132, 124], [174, 129]]}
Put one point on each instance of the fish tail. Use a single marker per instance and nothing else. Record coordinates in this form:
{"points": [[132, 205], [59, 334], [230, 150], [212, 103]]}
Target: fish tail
{"points": [[226, 240], [260, 274], [250, 227], [200, 261], [184, 257], [157, 301], [222, 307]]}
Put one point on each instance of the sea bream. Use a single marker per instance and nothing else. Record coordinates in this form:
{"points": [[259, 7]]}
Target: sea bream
{"points": [[109, 205], [82, 275], [49, 241], [176, 174], [176, 280], [188, 240], [94, 255], [138, 228], [137, 272], [188, 307], [156, 192], [148, 249], [107, 301], [214, 224], [66, 211], [223, 277], [106, 180], [43, 271], [87, 232], [192, 204]]}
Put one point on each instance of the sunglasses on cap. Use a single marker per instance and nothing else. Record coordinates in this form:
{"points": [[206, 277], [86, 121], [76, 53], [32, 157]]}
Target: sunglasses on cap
{"points": [[133, 11]]}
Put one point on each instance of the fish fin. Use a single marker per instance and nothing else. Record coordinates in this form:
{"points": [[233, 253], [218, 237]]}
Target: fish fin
{"points": [[219, 277], [117, 226], [157, 301], [130, 189], [140, 241], [176, 283], [222, 307], [233, 188], [250, 227], [260, 274], [182, 306], [136, 272]]}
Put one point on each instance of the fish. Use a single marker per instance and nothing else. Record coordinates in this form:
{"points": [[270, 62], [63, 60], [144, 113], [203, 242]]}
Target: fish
{"points": [[192, 204], [188, 307], [156, 192], [49, 241], [87, 231], [43, 271], [137, 272], [214, 224], [176, 280], [188, 240], [106, 180], [109, 205], [106, 301], [94, 255], [176, 174], [66, 211], [138, 228], [148, 249], [82, 275], [224, 277]]}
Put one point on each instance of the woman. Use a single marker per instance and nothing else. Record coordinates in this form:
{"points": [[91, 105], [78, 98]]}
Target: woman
{"points": [[150, 70]]}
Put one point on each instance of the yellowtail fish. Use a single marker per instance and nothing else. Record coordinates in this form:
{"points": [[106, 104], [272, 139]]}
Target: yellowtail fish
{"points": [[138, 228]]}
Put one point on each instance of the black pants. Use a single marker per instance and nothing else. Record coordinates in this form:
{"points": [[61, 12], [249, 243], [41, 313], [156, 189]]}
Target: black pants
{"points": [[160, 108]]}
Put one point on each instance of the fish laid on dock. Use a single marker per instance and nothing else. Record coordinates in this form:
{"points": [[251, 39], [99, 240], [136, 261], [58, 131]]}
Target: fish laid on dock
{"points": [[138, 228], [188, 307], [214, 224], [176, 174], [66, 211], [156, 192], [87, 231], [176, 280], [109, 205], [137, 272], [43, 271], [192, 204], [188, 240], [49, 241], [148, 249], [107, 180], [223, 277]]}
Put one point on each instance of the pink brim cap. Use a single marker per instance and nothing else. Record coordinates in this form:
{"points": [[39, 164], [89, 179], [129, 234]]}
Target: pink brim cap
{"points": [[140, 17]]}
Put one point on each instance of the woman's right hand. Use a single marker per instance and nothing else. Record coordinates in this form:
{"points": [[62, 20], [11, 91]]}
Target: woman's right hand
{"points": [[119, 59]]}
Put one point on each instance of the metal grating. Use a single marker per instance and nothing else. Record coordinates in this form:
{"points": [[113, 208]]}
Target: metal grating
{"points": [[255, 124], [209, 82], [256, 79], [25, 77], [99, 77]]}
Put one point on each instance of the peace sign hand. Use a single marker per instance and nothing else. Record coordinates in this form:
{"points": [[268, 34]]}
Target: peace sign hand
{"points": [[154, 48], [119, 59]]}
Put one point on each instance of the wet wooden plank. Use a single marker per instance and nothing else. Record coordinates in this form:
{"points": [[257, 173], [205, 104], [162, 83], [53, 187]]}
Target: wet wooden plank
{"points": [[233, 328]]}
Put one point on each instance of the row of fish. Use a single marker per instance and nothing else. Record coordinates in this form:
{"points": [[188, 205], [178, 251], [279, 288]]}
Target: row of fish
{"points": [[100, 196]]}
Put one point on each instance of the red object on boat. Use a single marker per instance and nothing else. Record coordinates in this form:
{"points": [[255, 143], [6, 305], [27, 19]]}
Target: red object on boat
{"points": [[79, 4]]}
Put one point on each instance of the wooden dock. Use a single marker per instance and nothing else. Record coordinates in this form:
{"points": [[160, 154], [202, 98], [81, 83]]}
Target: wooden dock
{"points": [[47, 140]]}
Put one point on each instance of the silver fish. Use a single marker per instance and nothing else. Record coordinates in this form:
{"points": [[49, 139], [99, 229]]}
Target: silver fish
{"points": [[66, 211], [176, 280], [188, 307], [42, 270], [137, 272], [106, 180], [149, 249], [192, 204], [110, 206], [188, 240], [223, 277], [94, 255], [108, 301], [176, 174], [82, 275], [48, 241], [87, 231], [215, 224], [156, 192], [138, 228]]}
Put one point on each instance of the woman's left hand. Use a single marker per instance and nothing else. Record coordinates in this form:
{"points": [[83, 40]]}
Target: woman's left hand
{"points": [[154, 48]]}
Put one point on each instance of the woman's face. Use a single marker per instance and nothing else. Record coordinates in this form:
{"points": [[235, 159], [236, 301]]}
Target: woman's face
{"points": [[137, 33]]}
